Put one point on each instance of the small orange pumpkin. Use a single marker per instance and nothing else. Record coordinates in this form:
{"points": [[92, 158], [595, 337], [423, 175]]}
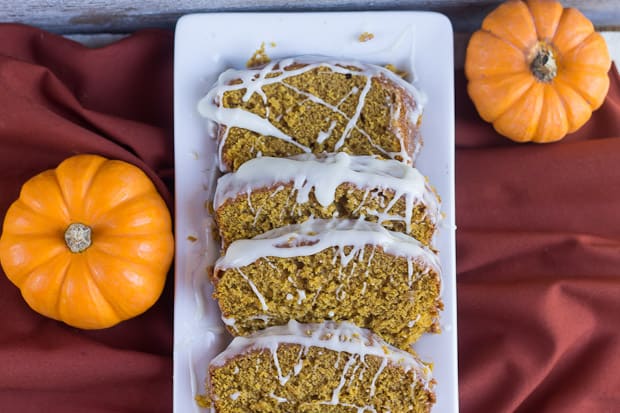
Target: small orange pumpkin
{"points": [[88, 243], [536, 70]]}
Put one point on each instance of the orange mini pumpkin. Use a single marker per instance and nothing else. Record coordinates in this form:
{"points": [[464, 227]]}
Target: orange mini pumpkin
{"points": [[88, 243], [536, 70]]}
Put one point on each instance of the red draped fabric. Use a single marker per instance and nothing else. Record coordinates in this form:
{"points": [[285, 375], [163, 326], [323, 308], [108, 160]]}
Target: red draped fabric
{"points": [[538, 241], [58, 98], [538, 265]]}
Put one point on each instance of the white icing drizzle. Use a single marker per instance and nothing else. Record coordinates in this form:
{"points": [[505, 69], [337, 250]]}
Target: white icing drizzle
{"points": [[301, 296], [230, 322], [343, 379], [353, 91], [297, 367], [355, 368], [360, 409], [409, 273], [276, 361], [316, 295], [358, 111], [377, 374], [335, 336], [324, 174], [249, 195], [247, 120], [413, 322], [253, 81], [350, 341], [278, 398], [256, 215], [362, 202], [317, 100], [323, 136], [260, 297], [337, 360], [316, 235]]}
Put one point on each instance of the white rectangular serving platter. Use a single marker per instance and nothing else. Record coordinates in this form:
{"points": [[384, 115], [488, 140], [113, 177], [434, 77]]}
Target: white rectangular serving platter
{"points": [[207, 44]]}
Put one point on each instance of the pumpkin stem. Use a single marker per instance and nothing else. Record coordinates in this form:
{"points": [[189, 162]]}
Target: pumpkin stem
{"points": [[77, 237], [544, 66]]}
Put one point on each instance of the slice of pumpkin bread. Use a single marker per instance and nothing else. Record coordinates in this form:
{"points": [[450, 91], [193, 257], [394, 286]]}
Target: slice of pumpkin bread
{"points": [[304, 105], [331, 270], [267, 193], [318, 368]]}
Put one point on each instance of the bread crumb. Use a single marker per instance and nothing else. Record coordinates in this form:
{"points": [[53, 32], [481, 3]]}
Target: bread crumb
{"points": [[192, 238], [366, 36], [203, 401], [208, 205], [392, 68], [259, 57]]}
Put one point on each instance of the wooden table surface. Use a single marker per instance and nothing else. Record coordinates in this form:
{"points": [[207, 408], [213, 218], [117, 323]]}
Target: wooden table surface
{"points": [[125, 16]]}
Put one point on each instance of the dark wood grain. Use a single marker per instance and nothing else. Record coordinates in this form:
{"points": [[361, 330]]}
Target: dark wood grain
{"points": [[123, 16]]}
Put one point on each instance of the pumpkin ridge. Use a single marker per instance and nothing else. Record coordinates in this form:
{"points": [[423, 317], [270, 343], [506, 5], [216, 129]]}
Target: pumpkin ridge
{"points": [[151, 266], [529, 10], [90, 293], [575, 14], [151, 239], [596, 69], [49, 227], [539, 128], [520, 13], [129, 218], [555, 28], [537, 114], [508, 42], [563, 53], [47, 217], [114, 306], [591, 70], [564, 106], [91, 178], [574, 89], [123, 204], [574, 121], [508, 107], [32, 209], [61, 290], [23, 277], [127, 236], [56, 302], [87, 179], [64, 198]]}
